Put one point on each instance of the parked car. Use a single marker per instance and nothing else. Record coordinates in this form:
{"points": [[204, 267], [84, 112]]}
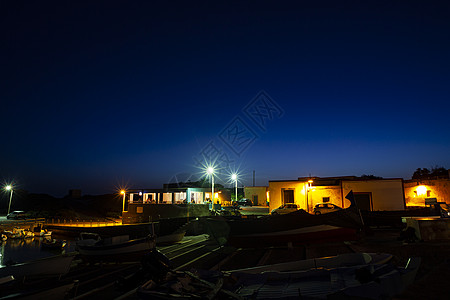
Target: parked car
{"points": [[284, 209], [243, 202], [323, 208], [15, 215]]}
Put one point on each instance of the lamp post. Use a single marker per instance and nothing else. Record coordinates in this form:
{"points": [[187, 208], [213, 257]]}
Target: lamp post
{"points": [[9, 188], [234, 177], [307, 193], [210, 171], [123, 201]]}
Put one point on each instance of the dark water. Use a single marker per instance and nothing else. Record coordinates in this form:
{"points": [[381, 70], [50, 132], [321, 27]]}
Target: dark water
{"points": [[22, 250]]}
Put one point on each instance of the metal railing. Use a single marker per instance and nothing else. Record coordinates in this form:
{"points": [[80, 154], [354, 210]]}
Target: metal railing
{"points": [[83, 223]]}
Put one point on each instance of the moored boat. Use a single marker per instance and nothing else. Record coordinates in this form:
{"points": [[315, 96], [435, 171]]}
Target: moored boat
{"points": [[341, 260], [381, 281], [366, 281], [298, 227], [53, 244], [170, 238], [49, 266], [118, 248]]}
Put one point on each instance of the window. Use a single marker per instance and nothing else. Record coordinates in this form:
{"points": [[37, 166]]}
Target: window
{"points": [[325, 199]]}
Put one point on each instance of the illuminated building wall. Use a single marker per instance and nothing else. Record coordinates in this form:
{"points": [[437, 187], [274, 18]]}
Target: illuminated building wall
{"points": [[256, 194], [379, 194], [321, 194], [278, 190], [384, 194], [416, 191]]}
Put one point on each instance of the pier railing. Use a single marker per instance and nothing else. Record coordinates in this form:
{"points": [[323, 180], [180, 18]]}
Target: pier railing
{"points": [[83, 223]]}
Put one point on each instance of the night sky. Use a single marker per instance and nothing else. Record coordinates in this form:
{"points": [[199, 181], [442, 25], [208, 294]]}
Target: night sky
{"points": [[98, 96]]}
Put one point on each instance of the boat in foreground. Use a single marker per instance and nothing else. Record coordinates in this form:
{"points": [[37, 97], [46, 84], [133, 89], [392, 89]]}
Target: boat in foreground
{"points": [[49, 266], [298, 227], [119, 248], [366, 281], [341, 260]]}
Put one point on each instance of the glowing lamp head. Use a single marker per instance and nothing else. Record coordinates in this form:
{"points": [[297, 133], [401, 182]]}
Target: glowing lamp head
{"points": [[210, 170], [122, 192], [8, 187], [234, 177], [421, 190], [310, 181]]}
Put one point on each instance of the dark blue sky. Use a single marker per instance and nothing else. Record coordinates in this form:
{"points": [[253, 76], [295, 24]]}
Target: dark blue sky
{"points": [[100, 95]]}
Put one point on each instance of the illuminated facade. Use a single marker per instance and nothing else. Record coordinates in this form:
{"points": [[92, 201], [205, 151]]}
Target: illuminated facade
{"points": [[144, 205], [416, 191], [257, 194], [370, 194]]}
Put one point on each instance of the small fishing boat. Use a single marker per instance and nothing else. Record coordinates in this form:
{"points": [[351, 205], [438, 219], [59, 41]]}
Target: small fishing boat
{"points": [[42, 233], [27, 234], [118, 248], [50, 266], [53, 244], [6, 279], [298, 227], [170, 238], [381, 281], [43, 289], [15, 233], [366, 281], [341, 260]]}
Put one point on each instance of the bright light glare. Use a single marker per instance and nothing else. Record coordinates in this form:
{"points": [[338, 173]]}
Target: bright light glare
{"points": [[122, 192], [8, 187], [234, 176], [210, 170], [421, 190]]}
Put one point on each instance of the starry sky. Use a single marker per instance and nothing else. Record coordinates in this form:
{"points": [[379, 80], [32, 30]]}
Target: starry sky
{"points": [[102, 95]]}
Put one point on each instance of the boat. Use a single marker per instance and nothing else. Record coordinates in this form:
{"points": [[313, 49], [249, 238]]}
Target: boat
{"points": [[15, 233], [170, 238], [59, 290], [49, 266], [42, 233], [27, 234], [44, 289], [341, 260], [6, 279], [298, 227], [118, 248], [53, 244], [366, 281]]}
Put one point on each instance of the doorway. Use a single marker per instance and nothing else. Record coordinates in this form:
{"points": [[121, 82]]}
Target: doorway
{"points": [[363, 201]]}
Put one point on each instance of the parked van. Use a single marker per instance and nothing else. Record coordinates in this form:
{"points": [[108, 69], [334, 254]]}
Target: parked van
{"points": [[15, 215]]}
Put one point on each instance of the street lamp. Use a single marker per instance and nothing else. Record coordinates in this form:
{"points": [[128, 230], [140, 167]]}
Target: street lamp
{"points": [[124, 194], [9, 188], [210, 171], [308, 188], [234, 177]]}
